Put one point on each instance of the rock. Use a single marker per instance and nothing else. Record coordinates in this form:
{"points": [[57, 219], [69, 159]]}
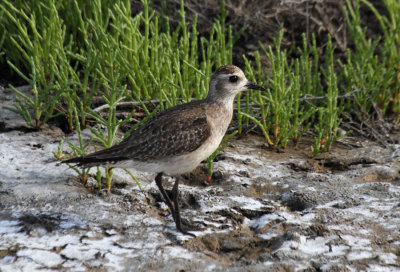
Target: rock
{"points": [[299, 201], [42, 257]]}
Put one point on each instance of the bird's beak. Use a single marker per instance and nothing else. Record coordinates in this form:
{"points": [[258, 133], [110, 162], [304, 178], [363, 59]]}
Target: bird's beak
{"points": [[253, 86]]}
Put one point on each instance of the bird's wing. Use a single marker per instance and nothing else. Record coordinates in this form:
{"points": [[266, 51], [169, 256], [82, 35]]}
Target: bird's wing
{"points": [[173, 134], [170, 133]]}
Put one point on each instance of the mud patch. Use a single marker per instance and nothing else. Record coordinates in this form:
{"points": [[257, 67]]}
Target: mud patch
{"points": [[39, 223], [234, 246]]}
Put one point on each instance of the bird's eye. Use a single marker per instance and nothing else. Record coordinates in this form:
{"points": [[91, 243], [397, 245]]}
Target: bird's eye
{"points": [[233, 78]]}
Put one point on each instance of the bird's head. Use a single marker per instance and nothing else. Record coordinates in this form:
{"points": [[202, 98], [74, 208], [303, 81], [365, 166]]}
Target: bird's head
{"points": [[229, 80]]}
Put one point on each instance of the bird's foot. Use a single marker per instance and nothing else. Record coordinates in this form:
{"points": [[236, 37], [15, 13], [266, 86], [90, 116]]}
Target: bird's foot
{"points": [[185, 228]]}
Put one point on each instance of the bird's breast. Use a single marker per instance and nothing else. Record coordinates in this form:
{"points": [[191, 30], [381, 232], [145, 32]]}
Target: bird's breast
{"points": [[219, 119]]}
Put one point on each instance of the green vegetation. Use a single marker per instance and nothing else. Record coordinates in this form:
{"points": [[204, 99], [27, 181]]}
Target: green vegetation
{"points": [[71, 52], [373, 66], [291, 79], [369, 79]]}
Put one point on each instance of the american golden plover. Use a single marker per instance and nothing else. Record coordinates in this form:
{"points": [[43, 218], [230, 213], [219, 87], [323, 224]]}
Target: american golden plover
{"points": [[176, 140]]}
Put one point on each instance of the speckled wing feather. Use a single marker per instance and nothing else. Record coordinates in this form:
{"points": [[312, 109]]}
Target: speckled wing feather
{"points": [[176, 131]]}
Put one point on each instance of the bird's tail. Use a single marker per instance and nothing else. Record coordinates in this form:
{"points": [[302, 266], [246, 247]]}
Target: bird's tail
{"points": [[106, 157]]}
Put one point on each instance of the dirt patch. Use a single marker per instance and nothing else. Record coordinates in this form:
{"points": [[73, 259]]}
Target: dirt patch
{"points": [[231, 247]]}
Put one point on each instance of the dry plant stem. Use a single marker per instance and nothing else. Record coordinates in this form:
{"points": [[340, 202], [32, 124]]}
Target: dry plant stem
{"points": [[365, 129], [136, 103], [155, 102], [190, 8], [333, 30], [344, 96], [371, 131]]}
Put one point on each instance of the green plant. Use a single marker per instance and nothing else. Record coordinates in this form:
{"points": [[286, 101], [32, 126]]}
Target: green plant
{"points": [[282, 114], [329, 115], [79, 150], [59, 154], [37, 45], [372, 64]]}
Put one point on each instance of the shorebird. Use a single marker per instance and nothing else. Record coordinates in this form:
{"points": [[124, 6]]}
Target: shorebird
{"points": [[177, 140]]}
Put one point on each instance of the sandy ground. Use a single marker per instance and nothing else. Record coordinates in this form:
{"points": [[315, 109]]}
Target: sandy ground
{"points": [[264, 211]]}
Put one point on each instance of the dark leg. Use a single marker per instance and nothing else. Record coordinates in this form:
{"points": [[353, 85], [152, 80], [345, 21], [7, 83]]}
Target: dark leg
{"points": [[173, 207], [164, 194], [177, 216], [175, 196]]}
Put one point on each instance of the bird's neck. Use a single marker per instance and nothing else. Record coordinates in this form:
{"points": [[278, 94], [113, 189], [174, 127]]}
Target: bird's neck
{"points": [[221, 109], [221, 101]]}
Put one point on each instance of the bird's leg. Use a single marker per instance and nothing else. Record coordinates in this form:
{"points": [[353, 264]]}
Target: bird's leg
{"points": [[173, 206], [167, 200], [177, 216], [175, 196]]}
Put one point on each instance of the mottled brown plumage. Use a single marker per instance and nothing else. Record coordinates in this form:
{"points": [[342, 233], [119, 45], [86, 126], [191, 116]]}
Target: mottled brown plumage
{"points": [[175, 131]]}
